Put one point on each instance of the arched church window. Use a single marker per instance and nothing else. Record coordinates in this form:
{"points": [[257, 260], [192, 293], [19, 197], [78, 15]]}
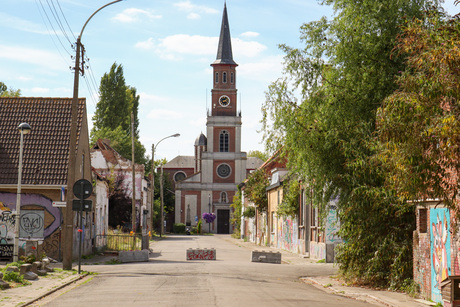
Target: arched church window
{"points": [[223, 141], [217, 77], [232, 78], [223, 197], [224, 77]]}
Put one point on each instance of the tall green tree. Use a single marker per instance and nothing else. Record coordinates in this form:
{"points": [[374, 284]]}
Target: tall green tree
{"points": [[419, 125], [112, 119], [5, 92], [324, 112]]}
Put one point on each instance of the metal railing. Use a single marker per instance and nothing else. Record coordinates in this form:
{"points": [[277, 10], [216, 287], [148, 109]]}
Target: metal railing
{"points": [[121, 242]]}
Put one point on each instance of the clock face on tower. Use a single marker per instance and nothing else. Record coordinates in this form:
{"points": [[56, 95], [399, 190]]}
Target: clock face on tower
{"points": [[224, 101]]}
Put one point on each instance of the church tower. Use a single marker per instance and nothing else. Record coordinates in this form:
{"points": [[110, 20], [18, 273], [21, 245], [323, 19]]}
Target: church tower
{"points": [[219, 164]]}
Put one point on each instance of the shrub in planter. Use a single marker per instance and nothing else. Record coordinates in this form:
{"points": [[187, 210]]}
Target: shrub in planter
{"points": [[179, 228]]}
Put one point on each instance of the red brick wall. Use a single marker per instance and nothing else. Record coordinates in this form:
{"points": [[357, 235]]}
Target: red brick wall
{"points": [[229, 179], [231, 138], [421, 254]]}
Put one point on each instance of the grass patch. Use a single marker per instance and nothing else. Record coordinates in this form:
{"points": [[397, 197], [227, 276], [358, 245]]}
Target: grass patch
{"points": [[321, 261]]}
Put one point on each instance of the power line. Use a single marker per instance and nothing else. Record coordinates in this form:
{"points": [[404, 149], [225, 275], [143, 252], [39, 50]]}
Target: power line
{"points": [[65, 19], [50, 23], [51, 36], [58, 20]]}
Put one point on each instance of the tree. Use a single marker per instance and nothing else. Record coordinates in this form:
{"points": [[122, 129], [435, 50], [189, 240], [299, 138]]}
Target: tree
{"points": [[419, 124], [5, 92], [258, 154], [343, 75], [255, 189], [112, 119]]}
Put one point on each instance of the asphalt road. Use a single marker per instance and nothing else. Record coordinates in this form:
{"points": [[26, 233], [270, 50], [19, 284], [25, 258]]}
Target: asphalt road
{"points": [[168, 279]]}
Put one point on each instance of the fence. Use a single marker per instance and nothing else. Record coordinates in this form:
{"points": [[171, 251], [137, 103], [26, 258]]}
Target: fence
{"points": [[122, 242]]}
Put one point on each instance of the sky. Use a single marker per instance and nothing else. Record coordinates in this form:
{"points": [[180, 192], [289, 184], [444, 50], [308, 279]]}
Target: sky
{"points": [[166, 48]]}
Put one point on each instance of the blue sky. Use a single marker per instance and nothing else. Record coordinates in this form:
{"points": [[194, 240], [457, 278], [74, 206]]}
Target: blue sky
{"points": [[166, 48]]}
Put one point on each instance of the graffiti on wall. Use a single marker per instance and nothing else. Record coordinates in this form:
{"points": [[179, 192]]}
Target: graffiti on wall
{"points": [[440, 250], [332, 226], [39, 219]]}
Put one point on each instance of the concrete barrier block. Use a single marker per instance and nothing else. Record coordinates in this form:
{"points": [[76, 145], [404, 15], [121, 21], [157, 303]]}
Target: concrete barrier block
{"points": [[133, 256], [266, 257], [201, 254], [36, 266], [30, 276], [24, 268]]}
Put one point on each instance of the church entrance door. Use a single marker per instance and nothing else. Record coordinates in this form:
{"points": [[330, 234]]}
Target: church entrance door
{"points": [[223, 221]]}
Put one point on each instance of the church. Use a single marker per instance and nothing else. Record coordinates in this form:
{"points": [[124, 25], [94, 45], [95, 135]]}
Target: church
{"points": [[207, 181]]}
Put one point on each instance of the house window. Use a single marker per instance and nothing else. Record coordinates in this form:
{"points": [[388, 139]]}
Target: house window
{"points": [[217, 77], [423, 220], [232, 78], [223, 141], [224, 77], [223, 197]]}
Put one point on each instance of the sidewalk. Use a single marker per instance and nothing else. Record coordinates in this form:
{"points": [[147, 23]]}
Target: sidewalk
{"points": [[330, 284], [46, 285]]}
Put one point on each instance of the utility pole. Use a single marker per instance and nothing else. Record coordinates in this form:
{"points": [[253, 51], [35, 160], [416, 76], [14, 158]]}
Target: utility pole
{"points": [[162, 202], [68, 213], [133, 213], [153, 190]]}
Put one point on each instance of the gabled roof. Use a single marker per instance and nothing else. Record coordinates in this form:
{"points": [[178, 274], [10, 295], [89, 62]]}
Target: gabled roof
{"points": [[224, 51], [181, 162], [46, 147], [112, 156]]}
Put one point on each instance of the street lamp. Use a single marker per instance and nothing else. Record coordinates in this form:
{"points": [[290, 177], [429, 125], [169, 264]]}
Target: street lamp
{"points": [[23, 128], [161, 185], [68, 217]]}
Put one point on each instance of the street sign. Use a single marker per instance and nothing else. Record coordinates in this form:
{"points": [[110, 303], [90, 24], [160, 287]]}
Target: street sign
{"points": [[59, 203], [87, 205], [87, 189]]}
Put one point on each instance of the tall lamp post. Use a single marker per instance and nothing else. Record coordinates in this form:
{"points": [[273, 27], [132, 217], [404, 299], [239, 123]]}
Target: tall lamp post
{"points": [[23, 128], [68, 217], [154, 148]]}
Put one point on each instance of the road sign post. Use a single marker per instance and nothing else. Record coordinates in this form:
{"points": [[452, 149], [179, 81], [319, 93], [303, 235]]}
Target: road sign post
{"points": [[82, 189]]}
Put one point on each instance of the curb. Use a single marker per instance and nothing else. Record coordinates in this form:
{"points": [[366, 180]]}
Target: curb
{"points": [[345, 294], [56, 289]]}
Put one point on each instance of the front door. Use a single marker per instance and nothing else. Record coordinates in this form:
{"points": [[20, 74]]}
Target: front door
{"points": [[223, 221]]}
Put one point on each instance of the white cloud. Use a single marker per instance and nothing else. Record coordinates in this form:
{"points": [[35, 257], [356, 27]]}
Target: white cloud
{"points": [[174, 46], [249, 34], [148, 99], [13, 22], [40, 90], [198, 122], [193, 16], [248, 49], [164, 114], [188, 6], [32, 56], [266, 69], [132, 15]]}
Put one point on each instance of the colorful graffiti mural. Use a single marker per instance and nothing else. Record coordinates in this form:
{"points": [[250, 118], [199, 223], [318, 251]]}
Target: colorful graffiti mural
{"points": [[440, 250], [332, 226], [39, 219]]}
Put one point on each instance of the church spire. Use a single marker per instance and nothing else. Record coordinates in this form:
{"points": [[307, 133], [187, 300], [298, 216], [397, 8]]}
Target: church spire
{"points": [[224, 51]]}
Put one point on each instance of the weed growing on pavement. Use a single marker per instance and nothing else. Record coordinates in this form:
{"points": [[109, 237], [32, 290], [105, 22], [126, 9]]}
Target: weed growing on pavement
{"points": [[328, 285], [11, 276], [321, 261], [113, 261], [410, 287]]}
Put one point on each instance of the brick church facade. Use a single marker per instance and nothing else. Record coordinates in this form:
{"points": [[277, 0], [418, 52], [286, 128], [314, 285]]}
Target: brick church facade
{"points": [[207, 181]]}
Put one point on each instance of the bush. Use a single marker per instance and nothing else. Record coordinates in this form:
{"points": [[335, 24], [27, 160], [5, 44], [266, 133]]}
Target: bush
{"points": [[199, 227], [179, 228], [249, 212], [15, 277]]}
